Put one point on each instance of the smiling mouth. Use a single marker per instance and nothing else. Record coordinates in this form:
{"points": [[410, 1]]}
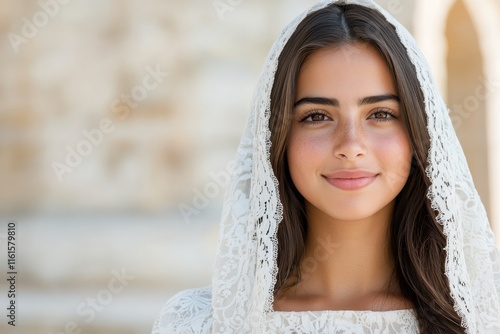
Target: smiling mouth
{"points": [[350, 179]]}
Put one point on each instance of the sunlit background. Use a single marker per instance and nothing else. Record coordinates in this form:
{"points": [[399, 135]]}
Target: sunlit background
{"points": [[118, 120]]}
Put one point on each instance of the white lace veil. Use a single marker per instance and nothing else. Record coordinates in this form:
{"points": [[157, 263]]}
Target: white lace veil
{"points": [[245, 267]]}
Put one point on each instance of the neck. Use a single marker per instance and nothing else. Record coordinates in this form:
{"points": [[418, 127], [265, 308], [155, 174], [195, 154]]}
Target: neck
{"points": [[347, 264]]}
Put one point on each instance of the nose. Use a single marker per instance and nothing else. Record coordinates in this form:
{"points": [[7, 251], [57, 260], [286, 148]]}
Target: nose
{"points": [[349, 141]]}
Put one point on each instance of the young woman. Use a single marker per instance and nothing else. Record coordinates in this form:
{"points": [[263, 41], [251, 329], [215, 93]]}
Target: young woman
{"points": [[351, 208]]}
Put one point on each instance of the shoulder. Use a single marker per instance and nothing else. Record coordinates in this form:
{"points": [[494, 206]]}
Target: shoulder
{"points": [[189, 311]]}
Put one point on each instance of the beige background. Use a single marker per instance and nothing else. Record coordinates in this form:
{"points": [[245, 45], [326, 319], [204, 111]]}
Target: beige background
{"points": [[121, 207]]}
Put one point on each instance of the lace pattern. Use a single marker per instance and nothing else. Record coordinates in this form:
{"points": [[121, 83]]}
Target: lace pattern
{"points": [[190, 312]]}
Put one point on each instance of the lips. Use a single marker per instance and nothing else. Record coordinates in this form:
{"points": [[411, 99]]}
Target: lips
{"points": [[350, 179]]}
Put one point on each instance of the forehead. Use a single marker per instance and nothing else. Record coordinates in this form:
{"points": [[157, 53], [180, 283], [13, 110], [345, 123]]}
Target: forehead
{"points": [[348, 71]]}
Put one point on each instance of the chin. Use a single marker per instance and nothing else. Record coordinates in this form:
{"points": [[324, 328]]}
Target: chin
{"points": [[350, 216], [356, 212]]}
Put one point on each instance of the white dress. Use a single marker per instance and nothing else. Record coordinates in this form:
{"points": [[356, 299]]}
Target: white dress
{"points": [[190, 312]]}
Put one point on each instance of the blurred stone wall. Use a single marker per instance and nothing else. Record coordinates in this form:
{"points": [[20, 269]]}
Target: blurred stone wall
{"points": [[64, 75], [114, 114]]}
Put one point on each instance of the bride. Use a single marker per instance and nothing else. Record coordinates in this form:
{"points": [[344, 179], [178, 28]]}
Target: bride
{"points": [[351, 208]]}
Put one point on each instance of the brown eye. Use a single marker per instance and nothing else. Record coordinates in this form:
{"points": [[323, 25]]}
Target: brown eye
{"points": [[315, 117], [382, 115]]}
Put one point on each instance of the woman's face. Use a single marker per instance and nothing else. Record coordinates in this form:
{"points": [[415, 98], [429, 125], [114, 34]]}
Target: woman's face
{"points": [[348, 153]]}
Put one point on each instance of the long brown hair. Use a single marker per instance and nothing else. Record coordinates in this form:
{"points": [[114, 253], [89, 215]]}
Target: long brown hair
{"points": [[417, 240]]}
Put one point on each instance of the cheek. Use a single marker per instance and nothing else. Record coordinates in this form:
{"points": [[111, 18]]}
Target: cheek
{"points": [[395, 151], [306, 152]]}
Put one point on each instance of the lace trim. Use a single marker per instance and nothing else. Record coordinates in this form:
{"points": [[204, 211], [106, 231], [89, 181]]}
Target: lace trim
{"points": [[190, 312]]}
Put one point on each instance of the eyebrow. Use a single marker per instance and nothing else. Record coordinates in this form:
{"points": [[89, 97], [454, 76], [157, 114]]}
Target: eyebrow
{"points": [[335, 103]]}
